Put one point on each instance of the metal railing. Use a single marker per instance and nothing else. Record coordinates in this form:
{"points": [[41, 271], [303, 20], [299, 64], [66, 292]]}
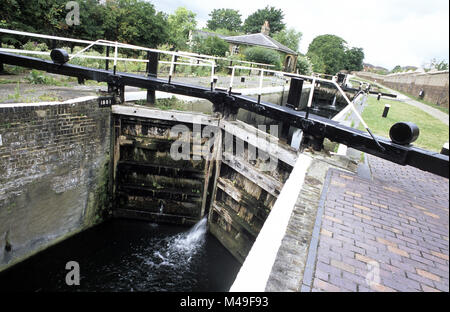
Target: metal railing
{"points": [[314, 79]]}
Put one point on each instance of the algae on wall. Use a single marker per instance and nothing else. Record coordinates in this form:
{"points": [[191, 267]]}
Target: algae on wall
{"points": [[55, 164]]}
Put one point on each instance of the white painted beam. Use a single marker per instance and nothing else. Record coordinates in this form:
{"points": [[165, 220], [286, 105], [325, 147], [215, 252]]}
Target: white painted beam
{"points": [[255, 271]]}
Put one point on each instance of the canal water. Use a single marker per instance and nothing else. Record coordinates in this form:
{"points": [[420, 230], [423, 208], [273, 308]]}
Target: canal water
{"points": [[126, 256]]}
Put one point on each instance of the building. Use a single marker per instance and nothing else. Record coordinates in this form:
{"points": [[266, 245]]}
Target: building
{"points": [[262, 39]]}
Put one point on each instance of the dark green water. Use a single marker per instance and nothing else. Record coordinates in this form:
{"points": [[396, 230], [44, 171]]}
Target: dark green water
{"points": [[126, 256]]}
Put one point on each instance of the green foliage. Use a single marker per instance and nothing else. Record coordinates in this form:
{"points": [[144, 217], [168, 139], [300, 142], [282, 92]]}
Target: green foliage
{"points": [[38, 77], [16, 94], [130, 21], [436, 65], [274, 16], [397, 69], [354, 59], [327, 52], [34, 46], [180, 24], [211, 45], [134, 21], [330, 54], [170, 103], [262, 55], [290, 38], [224, 19], [304, 65]]}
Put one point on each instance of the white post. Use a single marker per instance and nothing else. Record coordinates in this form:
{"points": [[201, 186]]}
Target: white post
{"points": [[232, 78], [171, 67]]}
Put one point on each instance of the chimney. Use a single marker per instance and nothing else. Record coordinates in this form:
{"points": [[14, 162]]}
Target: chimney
{"points": [[265, 29]]}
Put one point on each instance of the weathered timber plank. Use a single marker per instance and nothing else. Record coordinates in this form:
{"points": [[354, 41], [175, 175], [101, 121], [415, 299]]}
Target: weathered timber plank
{"points": [[229, 214], [171, 115], [260, 139], [264, 181]]}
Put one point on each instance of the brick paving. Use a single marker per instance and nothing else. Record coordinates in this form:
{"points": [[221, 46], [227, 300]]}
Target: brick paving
{"points": [[386, 234]]}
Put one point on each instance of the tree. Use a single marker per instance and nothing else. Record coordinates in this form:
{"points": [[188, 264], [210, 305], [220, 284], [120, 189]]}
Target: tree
{"points": [[225, 19], [437, 65], [133, 21], [130, 21], [304, 65], [354, 59], [397, 69], [290, 38], [328, 51], [180, 24], [274, 16]]}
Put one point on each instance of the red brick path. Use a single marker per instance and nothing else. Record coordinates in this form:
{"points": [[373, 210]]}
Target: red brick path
{"points": [[387, 234]]}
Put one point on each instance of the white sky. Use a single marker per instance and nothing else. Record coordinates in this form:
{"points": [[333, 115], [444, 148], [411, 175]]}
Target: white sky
{"points": [[391, 32]]}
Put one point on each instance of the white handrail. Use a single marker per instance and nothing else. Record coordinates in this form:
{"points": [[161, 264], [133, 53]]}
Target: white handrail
{"points": [[115, 45], [314, 79]]}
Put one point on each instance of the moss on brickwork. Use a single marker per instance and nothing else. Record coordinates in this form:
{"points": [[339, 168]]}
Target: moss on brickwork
{"points": [[100, 199]]}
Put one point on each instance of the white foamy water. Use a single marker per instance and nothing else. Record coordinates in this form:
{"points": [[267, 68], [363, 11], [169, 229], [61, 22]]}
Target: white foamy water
{"points": [[178, 250]]}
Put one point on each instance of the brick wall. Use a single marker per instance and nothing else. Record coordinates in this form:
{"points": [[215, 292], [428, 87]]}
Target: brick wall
{"points": [[53, 173], [435, 85]]}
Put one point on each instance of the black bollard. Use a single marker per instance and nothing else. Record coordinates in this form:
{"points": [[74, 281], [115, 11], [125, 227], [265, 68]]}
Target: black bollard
{"points": [[386, 110], [379, 96]]}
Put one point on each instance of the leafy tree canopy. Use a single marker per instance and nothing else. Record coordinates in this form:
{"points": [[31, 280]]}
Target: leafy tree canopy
{"points": [[436, 64], [330, 54], [290, 38], [397, 69], [274, 16], [354, 59], [180, 24], [131, 21], [224, 19]]}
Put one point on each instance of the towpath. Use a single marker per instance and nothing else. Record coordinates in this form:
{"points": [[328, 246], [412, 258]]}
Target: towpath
{"points": [[386, 233]]}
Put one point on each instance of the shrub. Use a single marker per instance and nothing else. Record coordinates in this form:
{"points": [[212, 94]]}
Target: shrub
{"points": [[212, 45], [262, 55], [34, 46], [304, 65], [37, 77]]}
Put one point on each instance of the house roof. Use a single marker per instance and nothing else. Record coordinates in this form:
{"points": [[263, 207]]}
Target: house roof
{"points": [[259, 39], [204, 34]]}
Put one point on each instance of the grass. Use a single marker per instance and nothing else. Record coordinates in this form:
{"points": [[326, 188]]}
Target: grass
{"points": [[166, 104], [433, 133]]}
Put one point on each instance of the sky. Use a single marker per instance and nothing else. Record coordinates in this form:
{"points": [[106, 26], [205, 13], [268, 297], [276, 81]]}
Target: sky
{"points": [[391, 32]]}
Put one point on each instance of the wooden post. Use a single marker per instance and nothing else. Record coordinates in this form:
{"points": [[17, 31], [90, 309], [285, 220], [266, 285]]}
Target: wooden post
{"points": [[152, 71]]}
